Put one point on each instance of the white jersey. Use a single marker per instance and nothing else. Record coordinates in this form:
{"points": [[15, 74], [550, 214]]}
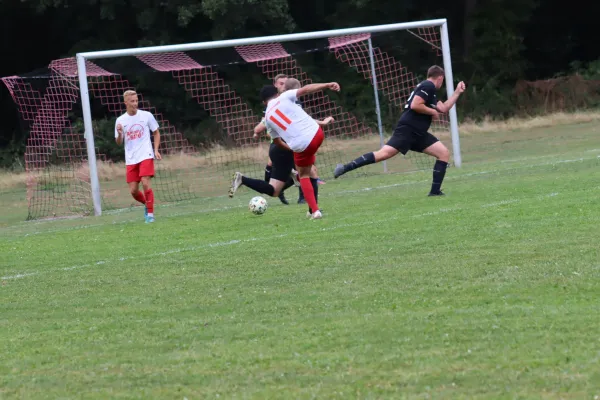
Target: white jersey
{"points": [[288, 121], [136, 134]]}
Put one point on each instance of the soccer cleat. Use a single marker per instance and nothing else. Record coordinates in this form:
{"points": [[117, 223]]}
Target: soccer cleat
{"points": [[236, 181], [440, 193], [316, 215], [283, 199], [309, 214], [321, 181], [338, 171], [149, 219]]}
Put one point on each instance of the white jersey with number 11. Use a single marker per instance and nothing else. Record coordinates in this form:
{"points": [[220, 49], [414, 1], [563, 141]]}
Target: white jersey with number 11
{"points": [[288, 121]]}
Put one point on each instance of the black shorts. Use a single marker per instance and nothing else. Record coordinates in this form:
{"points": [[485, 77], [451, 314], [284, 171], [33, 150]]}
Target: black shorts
{"points": [[407, 138], [283, 162]]}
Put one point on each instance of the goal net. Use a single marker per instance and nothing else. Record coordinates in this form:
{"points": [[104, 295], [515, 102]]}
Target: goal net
{"points": [[206, 103]]}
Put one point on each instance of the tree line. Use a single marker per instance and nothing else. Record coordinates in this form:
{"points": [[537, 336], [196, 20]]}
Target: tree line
{"points": [[495, 44]]}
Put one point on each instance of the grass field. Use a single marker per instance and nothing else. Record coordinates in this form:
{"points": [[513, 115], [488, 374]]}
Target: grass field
{"points": [[489, 292]]}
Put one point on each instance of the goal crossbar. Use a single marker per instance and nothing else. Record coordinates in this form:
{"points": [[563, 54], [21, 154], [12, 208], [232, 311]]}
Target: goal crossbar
{"points": [[85, 98], [260, 40]]}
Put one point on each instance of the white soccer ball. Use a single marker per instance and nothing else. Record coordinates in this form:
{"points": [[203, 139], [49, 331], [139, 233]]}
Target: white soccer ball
{"points": [[258, 205]]}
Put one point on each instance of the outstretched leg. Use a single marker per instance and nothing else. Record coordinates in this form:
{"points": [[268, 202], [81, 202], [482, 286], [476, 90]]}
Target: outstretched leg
{"points": [[272, 188], [366, 159]]}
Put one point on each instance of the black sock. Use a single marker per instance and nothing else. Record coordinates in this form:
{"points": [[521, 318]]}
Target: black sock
{"points": [[315, 185], [300, 194], [439, 171], [258, 185], [268, 170], [365, 159]]}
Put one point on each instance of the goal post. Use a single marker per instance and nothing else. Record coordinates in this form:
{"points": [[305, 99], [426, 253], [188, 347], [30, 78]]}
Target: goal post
{"points": [[87, 117], [204, 97]]}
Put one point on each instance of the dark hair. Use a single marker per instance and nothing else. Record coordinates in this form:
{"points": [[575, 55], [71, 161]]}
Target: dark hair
{"points": [[435, 72], [268, 92]]}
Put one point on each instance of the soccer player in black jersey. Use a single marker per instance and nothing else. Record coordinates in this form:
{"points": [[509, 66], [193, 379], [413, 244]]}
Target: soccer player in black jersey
{"points": [[411, 132]]}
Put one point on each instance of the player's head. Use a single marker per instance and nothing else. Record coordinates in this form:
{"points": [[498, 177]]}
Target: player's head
{"points": [[268, 92], [130, 99], [279, 81], [436, 75], [291, 83]]}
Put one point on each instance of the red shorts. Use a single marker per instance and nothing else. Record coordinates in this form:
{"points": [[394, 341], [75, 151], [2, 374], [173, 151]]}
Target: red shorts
{"points": [[307, 157], [136, 171]]}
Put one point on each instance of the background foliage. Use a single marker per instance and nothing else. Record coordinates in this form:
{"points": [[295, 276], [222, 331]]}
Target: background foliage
{"points": [[496, 46]]}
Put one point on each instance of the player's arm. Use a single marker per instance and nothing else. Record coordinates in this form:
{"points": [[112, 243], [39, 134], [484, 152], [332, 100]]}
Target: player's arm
{"points": [[325, 121], [119, 133], [156, 135], [316, 87], [281, 143], [260, 128], [153, 126], [445, 106], [418, 105]]}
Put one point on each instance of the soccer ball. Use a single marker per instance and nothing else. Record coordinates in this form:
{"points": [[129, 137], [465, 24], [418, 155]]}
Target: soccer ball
{"points": [[258, 205]]}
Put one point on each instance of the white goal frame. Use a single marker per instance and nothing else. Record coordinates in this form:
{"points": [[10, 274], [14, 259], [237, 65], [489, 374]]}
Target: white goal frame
{"points": [[85, 98]]}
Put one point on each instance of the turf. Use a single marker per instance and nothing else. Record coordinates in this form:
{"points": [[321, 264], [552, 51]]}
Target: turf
{"points": [[488, 292]]}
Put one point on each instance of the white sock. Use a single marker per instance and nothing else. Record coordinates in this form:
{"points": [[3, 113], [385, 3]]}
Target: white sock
{"points": [[151, 214]]}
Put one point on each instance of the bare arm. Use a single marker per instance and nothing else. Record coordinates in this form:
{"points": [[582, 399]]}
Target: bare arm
{"points": [[418, 105], [326, 121], [315, 87], [156, 134], [445, 106], [258, 129], [281, 144], [119, 138]]}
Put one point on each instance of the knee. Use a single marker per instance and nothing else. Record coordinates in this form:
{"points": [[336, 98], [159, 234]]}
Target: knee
{"points": [[134, 191], [146, 183], [383, 154], [444, 155]]}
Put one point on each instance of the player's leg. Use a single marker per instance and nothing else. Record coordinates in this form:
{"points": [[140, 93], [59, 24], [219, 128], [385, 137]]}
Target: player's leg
{"points": [[133, 181], [437, 149], [268, 169], [146, 174], [258, 185], [307, 188], [304, 162], [282, 162], [400, 142], [301, 199], [278, 186], [314, 181], [384, 153], [316, 172]]}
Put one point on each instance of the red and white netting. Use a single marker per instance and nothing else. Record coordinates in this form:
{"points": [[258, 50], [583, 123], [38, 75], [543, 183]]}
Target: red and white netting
{"points": [[56, 155]]}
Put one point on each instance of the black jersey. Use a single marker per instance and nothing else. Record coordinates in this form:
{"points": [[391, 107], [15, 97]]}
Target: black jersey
{"points": [[420, 122]]}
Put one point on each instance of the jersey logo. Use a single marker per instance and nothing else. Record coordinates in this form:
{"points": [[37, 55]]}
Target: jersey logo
{"points": [[278, 122], [135, 132]]}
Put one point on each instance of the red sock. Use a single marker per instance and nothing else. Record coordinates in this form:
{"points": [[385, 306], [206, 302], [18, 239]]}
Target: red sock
{"points": [[149, 200], [139, 196], [309, 193]]}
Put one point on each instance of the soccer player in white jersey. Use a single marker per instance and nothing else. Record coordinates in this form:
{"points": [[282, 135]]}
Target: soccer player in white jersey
{"points": [[292, 128], [134, 129], [279, 82]]}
